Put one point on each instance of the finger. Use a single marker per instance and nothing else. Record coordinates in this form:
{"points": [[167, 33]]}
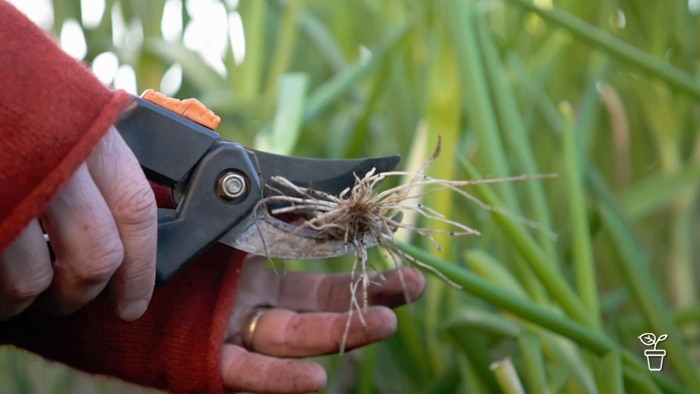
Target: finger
{"points": [[245, 371], [121, 181], [283, 333], [309, 292], [25, 271], [86, 243]]}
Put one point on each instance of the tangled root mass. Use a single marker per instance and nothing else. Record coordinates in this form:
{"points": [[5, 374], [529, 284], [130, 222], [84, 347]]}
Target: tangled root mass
{"points": [[362, 217]]}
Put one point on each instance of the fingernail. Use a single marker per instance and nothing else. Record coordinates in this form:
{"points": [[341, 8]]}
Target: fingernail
{"points": [[133, 310]]}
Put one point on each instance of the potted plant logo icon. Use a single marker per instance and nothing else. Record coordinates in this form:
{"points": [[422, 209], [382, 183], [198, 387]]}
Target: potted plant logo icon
{"points": [[655, 357]]}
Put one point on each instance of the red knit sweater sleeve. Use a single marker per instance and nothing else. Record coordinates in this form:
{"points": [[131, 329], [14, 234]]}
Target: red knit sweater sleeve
{"points": [[175, 346], [52, 114]]}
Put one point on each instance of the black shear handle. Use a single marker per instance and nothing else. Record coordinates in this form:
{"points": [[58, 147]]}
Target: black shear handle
{"points": [[167, 145], [176, 152]]}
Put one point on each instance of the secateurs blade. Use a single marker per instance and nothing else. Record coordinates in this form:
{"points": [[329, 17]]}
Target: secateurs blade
{"points": [[217, 185]]}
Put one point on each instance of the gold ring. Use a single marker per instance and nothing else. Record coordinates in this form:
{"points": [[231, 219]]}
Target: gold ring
{"points": [[249, 330]]}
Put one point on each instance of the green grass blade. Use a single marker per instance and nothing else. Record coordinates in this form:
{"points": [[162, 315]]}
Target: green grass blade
{"points": [[326, 94], [480, 107], [358, 141], [657, 191], [558, 351], [447, 382], [248, 78], [318, 33], [282, 137], [489, 268], [557, 287], [513, 303], [366, 375], [194, 69], [442, 119], [534, 368], [537, 97], [609, 373], [582, 247], [616, 47], [507, 377], [633, 325], [592, 340], [639, 382], [414, 346], [286, 38], [489, 324], [648, 297], [473, 347], [515, 135]]}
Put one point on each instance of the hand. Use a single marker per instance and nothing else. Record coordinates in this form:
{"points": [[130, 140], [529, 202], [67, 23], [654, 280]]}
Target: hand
{"points": [[307, 317], [103, 228]]}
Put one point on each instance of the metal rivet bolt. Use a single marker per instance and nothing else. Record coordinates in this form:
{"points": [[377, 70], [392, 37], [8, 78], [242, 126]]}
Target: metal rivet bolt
{"points": [[232, 185]]}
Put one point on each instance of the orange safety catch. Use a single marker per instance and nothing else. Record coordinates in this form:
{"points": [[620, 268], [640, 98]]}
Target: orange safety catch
{"points": [[191, 109]]}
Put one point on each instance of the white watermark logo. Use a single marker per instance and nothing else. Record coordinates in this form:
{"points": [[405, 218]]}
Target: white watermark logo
{"points": [[655, 357]]}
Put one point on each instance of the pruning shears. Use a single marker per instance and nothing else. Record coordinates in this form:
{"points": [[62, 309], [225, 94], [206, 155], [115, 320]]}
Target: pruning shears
{"points": [[217, 185]]}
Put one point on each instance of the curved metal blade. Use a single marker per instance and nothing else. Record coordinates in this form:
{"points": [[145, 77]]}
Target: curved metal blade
{"points": [[329, 176], [271, 237], [274, 238]]}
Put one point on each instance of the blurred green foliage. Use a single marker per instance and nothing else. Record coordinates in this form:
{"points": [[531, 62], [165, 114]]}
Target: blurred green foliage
{"points": [[602, 93]]}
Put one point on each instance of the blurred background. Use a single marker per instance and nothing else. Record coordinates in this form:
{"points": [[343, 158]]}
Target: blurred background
{"points": [[602, 93]]}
